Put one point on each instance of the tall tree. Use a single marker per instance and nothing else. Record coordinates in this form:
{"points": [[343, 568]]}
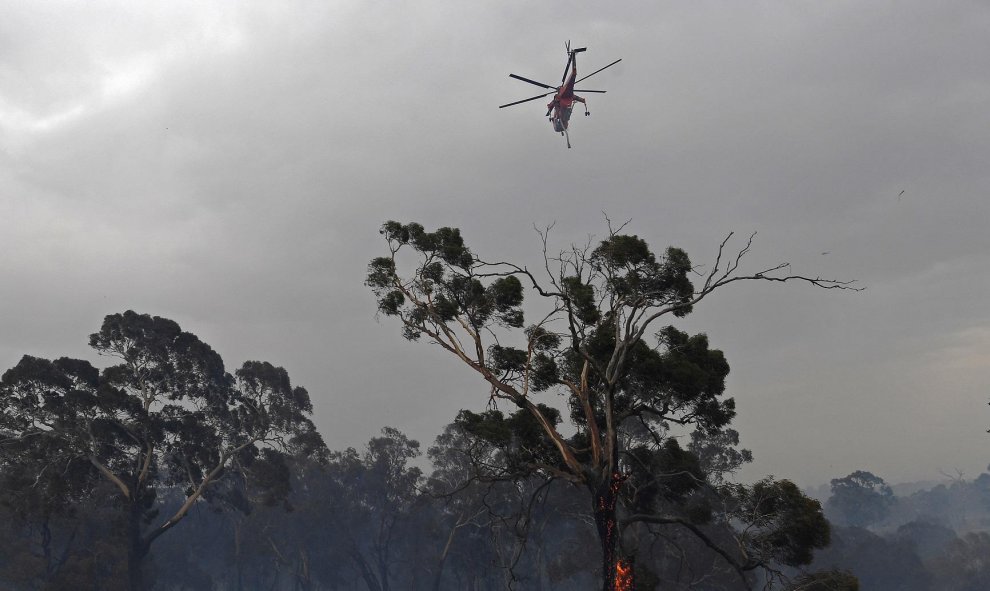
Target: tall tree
{"points": [[166, 413], [860, 499], [597, 340]]}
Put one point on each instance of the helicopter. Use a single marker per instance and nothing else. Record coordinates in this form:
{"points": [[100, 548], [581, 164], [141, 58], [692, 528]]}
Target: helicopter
{"points": [[559, 108]]}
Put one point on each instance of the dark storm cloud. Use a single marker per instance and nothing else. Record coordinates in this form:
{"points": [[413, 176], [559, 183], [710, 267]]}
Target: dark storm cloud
{"points": [[228, 166]]}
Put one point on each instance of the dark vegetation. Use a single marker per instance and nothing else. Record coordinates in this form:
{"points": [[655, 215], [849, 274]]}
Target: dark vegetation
{"points": [[163, 471], [934, 539]]}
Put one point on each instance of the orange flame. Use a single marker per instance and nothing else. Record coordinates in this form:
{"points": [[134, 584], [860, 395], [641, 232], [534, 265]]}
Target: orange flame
{"points": [[624, 576]]}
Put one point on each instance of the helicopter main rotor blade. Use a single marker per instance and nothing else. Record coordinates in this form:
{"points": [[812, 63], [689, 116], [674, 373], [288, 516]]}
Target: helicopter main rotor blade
{"points": [[533, 82], [598, 70], [599, 91], [532, 98]]}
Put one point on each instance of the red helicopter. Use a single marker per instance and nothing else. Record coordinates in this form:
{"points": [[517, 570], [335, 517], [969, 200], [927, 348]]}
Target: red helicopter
{"points": [[559, 108]]}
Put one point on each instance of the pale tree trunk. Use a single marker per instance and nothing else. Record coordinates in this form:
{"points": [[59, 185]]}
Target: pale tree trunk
{"points": [[443, 560], [305, 580]]}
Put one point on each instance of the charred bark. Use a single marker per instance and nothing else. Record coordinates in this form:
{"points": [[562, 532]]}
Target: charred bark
{"points": [[604, 503]]}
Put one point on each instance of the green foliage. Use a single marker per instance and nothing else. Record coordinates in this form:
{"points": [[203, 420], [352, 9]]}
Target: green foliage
{"points": [[444, 287], [630, 252], [506, 293], [693, 374], [686, 378], [545, 374], [524, 445], [633, 273], [445, 243], [507, 358], [581, 298], [717, 453], [661, 476], [489, 426], [785, 525], [381, 271], [542, 339]]}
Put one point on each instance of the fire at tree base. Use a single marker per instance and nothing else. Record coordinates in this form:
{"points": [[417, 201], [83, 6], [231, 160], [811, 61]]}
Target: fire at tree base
{"points": [[624, 576]]}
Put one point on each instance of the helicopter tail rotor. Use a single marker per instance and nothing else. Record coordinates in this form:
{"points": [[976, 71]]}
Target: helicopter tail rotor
{"points": [[570, 58]]}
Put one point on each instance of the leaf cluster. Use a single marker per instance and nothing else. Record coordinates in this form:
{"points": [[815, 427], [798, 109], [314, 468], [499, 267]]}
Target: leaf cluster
{"points": [[522, 441], [658, 478], [781, 523], [445, 286], [634, 275]]}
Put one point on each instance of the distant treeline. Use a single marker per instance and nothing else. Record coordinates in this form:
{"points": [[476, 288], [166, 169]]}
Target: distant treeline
{"points": [[933, 539]]}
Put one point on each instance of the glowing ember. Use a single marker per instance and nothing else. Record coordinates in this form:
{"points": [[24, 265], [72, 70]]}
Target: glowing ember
{"points": [[624, 576]]}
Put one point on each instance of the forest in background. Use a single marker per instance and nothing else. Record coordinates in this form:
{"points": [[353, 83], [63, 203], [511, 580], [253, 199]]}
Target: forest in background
{"points": [[162, 470], [371, 519]]}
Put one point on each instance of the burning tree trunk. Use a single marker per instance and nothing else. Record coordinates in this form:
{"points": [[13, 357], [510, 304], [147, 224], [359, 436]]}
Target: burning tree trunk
{"points": [[625, 579], [605, 499]]}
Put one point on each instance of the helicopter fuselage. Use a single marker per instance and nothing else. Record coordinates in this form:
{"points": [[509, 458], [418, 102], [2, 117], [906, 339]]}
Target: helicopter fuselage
{"points": [[560, 107]]}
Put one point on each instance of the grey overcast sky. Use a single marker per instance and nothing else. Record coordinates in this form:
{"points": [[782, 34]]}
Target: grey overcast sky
{"points": [[228, 165]]}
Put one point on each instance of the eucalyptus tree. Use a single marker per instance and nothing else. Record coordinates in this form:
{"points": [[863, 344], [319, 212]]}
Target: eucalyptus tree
{"points": [[598, 340], [165, 413], [372, 497], [860, 499]]}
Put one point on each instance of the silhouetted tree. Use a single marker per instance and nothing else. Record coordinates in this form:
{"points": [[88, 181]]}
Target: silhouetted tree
{"points": [[165, 414], [861, 499]]}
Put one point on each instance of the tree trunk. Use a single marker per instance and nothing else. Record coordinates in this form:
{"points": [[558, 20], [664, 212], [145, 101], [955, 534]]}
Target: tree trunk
{"points": [[304, 575], [604, 501], [137, 548], [135, 557], [443, 556], [366, 573], [438, 578], [239, 567]]}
